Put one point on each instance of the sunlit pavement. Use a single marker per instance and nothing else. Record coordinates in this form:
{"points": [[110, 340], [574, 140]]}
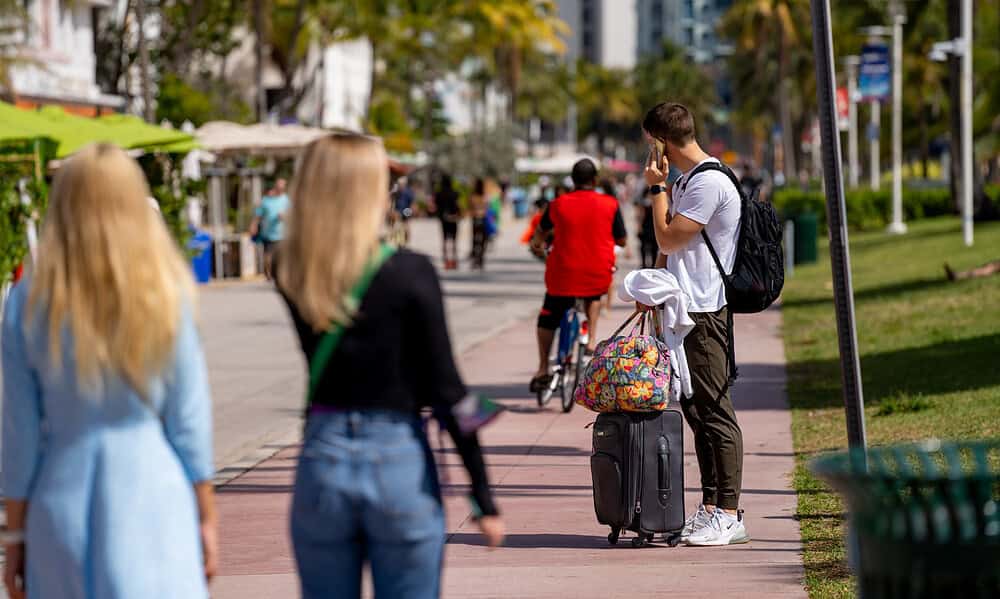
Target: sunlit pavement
{"points": [[539, 459], [256, 367]]}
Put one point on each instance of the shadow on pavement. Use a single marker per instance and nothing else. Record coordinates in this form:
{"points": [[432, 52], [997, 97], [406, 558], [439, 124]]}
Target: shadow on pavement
{"points": [[518, 390], [535, 541], [243, 488], [547, 450]]}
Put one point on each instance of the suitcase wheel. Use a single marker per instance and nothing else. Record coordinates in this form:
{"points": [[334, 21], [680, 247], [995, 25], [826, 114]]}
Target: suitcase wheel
{"points": [[613, 536], [674, 540], [642, 540]]}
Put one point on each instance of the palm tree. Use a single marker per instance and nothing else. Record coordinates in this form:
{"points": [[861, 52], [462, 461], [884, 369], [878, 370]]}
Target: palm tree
{"points": [[605, 98], [669, 76], [773, 45], [507, 30]]}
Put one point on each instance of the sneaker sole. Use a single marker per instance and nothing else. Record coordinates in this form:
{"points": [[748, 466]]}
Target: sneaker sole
{"points": [[719, 543]]}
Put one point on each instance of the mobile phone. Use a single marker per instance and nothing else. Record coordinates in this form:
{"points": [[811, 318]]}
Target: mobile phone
{"points": [[474, 412], [657, 149]]}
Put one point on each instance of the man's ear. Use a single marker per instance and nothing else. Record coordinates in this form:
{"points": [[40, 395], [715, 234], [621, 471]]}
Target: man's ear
{"points": [[670, 150]]}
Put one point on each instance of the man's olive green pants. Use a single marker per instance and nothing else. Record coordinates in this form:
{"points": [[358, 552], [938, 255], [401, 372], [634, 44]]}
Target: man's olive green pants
{"points": [[718, 440]]}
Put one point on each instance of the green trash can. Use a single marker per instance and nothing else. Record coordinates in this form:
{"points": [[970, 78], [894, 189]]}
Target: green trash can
{"points": [[806, 225], [924, 518]]}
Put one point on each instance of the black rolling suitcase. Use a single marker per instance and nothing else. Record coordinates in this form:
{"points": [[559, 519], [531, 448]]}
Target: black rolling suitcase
{"points": [[638, 474]]}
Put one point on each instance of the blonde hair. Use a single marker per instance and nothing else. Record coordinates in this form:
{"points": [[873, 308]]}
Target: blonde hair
{"points": [[109, 271], [340, 194]]}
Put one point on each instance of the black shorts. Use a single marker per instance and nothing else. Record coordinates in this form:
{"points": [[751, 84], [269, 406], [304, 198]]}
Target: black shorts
{"points": [[555, 307], [449, 228]]}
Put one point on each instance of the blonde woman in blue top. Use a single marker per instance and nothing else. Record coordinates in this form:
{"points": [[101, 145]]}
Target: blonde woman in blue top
{"points": [[107, 461]]}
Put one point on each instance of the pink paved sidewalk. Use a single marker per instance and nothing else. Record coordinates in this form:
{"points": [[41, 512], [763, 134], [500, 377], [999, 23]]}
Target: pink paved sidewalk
{"points": [[539, 463]]}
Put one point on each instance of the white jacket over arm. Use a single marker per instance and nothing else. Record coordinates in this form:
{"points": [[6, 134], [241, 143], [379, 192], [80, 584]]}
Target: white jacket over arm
{"points": [[657, 287]]}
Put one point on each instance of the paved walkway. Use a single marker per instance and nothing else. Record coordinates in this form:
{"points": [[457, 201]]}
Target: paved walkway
{"points": [[539, 464], [255, 364]]}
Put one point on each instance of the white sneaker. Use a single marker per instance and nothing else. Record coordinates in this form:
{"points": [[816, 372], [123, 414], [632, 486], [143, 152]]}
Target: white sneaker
{"points": [[696, 521], [722, 529]]}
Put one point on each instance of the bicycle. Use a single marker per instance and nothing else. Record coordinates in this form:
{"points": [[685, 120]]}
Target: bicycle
{"points": [[398, 229], [574, 329]]}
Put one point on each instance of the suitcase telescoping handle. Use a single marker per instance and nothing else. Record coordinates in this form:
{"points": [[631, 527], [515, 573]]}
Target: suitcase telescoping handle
{"points": [[663, 463]]}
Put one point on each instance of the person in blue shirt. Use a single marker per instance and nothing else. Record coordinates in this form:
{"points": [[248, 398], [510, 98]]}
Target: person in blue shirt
{"points": [[268, 226], [107, 419]]}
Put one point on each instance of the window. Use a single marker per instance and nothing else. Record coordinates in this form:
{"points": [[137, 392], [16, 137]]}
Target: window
{"points": [[688, 9]]}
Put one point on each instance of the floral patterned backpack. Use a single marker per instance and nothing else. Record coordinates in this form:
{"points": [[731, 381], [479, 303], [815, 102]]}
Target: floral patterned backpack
{"points": [[629, 373]]}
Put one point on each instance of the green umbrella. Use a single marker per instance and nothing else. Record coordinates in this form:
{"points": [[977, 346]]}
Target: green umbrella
{"points": [[19, 125], [133, 132], [74, 132]]}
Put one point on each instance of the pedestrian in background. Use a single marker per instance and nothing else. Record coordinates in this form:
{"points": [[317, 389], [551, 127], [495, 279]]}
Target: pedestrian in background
{"points": [[268, 226], [366, 488], [478, 208], [647, 234], [446, 203], [107, 452]]}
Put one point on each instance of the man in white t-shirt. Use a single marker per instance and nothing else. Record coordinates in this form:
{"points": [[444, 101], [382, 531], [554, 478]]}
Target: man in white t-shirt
{"points": [[707, 202]]}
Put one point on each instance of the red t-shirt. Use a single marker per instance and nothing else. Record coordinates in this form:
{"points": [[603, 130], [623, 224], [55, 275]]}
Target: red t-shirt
{"points": [[585, 225]]}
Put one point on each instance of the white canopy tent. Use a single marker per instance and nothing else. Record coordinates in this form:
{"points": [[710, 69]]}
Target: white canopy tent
{"points": [[553, 165], [262, 139]]}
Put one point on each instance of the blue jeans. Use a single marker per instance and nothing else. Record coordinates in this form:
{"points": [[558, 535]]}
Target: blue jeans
{"points": [[366, 489]]}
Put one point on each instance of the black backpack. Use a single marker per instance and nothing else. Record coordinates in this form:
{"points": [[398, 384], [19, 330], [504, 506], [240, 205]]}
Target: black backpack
{"points": [[759, 269]]}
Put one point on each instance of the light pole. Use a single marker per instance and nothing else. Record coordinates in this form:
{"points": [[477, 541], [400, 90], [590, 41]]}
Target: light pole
{"points": [[897, 226], [836, 211], [874, 128], [962, 47], [967, 122], [852, 63]]}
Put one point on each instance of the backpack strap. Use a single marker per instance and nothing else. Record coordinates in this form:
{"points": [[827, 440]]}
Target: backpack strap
{"points": [[734, 372], [328, 343]]}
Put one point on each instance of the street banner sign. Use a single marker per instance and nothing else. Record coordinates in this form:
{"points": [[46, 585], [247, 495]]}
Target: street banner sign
{"points": [[843, 109], [875, 73]]}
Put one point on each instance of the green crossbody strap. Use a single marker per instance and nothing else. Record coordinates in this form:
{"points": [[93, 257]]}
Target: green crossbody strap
{"points": [[330, 340]]}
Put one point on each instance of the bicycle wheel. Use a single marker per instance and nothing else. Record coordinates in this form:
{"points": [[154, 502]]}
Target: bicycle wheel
{"points": [[566, 395], [581, 350], [545, 395]]}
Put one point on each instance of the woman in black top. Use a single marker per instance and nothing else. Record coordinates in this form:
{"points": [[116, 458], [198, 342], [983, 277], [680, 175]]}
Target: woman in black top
{"points": [[446, 200], [366, 488]]}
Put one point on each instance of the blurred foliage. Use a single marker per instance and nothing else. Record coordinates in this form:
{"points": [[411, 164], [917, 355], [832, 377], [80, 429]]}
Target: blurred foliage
{"points": [[606, 101], [13, 218], [485, 154], [867, 209], [180, 101], [773, 73], [19, 167], [669, 75]]}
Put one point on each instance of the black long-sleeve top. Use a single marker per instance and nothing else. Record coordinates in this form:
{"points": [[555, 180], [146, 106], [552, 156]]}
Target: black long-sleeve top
{"points": [[397, 355]]}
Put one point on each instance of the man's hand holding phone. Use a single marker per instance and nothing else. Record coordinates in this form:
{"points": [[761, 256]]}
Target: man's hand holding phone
{"points": [[657, 166]]}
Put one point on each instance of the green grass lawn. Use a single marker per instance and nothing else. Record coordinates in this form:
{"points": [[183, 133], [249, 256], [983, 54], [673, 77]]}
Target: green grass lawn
{"points": [[930, 360]]}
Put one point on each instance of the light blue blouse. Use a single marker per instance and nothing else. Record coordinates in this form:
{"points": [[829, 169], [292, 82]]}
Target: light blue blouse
{"points": [[107, 476]]}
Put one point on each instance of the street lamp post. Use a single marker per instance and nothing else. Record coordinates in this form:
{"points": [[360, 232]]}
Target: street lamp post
{"points": [[967, 122], [897, 226], [874, 127], [836, 210], [962, 47], [852, 63]]}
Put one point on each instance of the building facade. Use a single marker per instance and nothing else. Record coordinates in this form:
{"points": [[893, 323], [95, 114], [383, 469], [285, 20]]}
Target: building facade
{"points": [[602, 31], [60, 64], [689, 24]]}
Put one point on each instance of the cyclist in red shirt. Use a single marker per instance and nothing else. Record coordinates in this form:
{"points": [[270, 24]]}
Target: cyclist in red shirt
{"points": [[586, 226]]}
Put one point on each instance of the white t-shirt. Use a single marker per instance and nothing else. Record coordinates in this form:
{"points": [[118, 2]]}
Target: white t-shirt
{"points": [[710, 199]]}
